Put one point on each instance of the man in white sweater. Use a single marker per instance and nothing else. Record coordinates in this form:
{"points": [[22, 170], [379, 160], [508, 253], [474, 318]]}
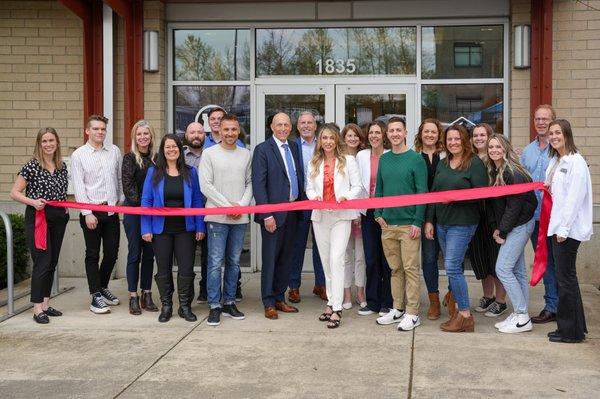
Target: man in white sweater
{"points": [[225, 180]]}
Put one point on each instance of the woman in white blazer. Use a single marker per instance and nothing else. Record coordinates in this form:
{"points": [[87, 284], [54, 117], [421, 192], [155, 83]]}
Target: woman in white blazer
{"points": [[568, 179], [332, 176], [377, 288]]}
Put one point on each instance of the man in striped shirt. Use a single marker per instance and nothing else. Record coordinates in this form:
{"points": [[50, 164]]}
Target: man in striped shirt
{"points": [[96, 169]]}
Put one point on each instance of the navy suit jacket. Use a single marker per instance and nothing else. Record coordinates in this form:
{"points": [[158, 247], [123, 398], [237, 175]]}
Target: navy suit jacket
{"points": [[154, 197], [270, 183]]}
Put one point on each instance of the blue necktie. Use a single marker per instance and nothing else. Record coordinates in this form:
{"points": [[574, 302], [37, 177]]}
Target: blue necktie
{"points": [[289, 161]]}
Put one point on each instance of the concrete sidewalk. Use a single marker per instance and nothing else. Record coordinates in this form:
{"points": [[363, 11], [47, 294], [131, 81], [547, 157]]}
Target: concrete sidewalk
{"points": [[119, 355]]}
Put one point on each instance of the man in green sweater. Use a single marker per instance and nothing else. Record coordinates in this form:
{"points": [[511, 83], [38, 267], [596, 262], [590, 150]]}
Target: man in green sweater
{"points": [[401, 171]]}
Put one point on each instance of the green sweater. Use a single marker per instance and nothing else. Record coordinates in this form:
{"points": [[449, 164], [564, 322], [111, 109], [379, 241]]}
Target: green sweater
{"points": [[400, 174], [462, 212]]}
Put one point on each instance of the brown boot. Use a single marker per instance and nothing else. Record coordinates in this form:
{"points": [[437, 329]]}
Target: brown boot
{"points": [[450, 304], [459, 324], [434, 312]]}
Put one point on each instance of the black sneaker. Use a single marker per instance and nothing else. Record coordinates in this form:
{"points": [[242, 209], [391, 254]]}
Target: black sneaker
{"points": [[484, 304], [496, 309], [108, 296], [202, 297], [98, 305], [233, 312], [214, 317], [238, 294]]}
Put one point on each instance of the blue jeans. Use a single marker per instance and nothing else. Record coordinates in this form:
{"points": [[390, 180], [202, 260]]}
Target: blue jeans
{"points": [[430, 250], [225, 242], [377, 288], [302, 229], [454, 240], [137, 248], [510, 266], [550, 281]]}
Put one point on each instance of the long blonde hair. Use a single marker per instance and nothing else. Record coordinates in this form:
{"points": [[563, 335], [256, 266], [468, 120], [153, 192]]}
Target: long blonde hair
{"points": [[319, 155], [38, 153], [511, 162], [134, 147]]}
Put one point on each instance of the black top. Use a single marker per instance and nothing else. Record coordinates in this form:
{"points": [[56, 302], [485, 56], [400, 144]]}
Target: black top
{"points": [[431, 166], [43, 184], [133, 177], [512, 210], [174, 199]]}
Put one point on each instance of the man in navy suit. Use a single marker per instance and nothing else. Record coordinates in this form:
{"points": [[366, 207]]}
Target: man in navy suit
{"points": [[277, 177], [307, 126]]}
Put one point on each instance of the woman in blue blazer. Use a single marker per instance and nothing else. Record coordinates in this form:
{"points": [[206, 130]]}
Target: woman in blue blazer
{"points": [[173, 184]]}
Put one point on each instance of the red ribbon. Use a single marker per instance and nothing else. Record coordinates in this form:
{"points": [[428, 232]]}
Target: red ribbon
{"points": [[41, 229], [367, 203]]}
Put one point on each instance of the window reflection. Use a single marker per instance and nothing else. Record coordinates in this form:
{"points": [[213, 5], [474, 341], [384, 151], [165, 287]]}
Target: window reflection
{"points": [[336, 51], [363, 108], [189, 100], [293, 105], [460, 52], [475, 102], [212, 54]]}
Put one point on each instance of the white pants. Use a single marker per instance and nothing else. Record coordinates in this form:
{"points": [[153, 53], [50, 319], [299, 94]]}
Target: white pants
{"points": [[355, 263], [332, 235]]}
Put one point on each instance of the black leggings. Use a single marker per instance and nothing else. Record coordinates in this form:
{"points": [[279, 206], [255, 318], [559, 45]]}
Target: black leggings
{"points": [[182, 245], [45, 261]]}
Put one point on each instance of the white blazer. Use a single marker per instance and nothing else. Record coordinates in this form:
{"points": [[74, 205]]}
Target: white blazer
{"points": [[345, 185], [363, 159]]}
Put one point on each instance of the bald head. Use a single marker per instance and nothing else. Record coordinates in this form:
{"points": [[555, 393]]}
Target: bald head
{"points": [[281, 126], [194, 135]]}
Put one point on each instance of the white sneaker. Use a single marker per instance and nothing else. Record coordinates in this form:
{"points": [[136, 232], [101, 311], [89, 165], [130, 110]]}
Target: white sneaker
{"points": [[408, 322], [500, 324], [98, 305], [347, 305], [391, 317], [520, 323]]}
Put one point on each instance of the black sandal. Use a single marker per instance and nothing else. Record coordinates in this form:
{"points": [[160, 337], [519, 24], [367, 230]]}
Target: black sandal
{"points": [[325, 316], [335, 323]]}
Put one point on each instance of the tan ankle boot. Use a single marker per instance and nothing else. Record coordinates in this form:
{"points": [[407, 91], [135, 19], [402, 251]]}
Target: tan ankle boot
{"points": [[459, 324], [450, 303], [434, 311]]}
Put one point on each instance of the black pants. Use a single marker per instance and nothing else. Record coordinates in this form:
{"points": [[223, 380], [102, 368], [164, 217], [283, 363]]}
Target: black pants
{"points": [[203, 264], [570, 317], [377, 288], [45, 261], [182, 245], [106, 234]]}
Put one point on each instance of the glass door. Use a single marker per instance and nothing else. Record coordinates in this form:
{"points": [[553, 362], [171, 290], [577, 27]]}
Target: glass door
{"points": [[293, 100], [362, 103]]}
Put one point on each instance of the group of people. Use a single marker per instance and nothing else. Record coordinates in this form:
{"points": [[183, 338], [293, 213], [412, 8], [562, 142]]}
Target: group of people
{"points": [[382, 249]]}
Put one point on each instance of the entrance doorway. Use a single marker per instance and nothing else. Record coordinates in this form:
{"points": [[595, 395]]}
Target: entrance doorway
{"points": [[339, 103]]}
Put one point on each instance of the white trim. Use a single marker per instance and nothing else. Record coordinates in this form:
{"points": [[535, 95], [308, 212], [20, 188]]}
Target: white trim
{"points": [[107, 71], [506, 75]]}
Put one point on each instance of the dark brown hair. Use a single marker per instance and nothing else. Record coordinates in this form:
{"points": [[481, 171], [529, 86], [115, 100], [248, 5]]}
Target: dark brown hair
{"points": [[383, 127], [567, 132], [229, 117], [95, 117]]}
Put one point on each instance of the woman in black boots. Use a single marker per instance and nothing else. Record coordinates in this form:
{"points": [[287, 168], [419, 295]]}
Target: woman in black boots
{"points": [[173, 184]]}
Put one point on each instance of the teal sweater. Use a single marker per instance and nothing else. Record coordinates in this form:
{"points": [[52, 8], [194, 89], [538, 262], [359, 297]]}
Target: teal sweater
{"points": [[462, 212], [400, 174]]}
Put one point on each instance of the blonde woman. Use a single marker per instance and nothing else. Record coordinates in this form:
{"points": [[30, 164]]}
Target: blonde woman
{"points": [[43, 178], [512, 225], [135, 166], [333, 177]]}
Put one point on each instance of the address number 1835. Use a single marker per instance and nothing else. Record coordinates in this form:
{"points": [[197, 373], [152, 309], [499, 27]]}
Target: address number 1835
{"points": [[331, 66]]}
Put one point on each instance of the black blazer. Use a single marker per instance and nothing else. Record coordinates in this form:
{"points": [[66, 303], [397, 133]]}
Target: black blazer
{"points": [[270, 183], [511, 211]]}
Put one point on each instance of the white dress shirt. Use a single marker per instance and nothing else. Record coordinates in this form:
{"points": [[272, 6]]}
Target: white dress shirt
{"points": [[571, 188], [97, 175]]}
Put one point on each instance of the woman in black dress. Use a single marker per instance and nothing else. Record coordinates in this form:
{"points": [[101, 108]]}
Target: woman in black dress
{"points": [[43, 178], [483, 250]]}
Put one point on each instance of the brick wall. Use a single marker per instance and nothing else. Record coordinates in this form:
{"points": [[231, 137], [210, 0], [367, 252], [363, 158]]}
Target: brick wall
{"points": [[155, 100], [41, 80], [576, 76], [520, 81]]}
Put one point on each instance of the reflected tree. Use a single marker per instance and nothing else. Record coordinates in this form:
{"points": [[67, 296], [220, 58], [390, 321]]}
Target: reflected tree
{"points": [[316, 45], [273, 56], [194, 59]]}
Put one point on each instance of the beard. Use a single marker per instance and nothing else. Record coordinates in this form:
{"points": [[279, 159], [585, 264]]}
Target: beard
{"points": [[196, 144]]}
